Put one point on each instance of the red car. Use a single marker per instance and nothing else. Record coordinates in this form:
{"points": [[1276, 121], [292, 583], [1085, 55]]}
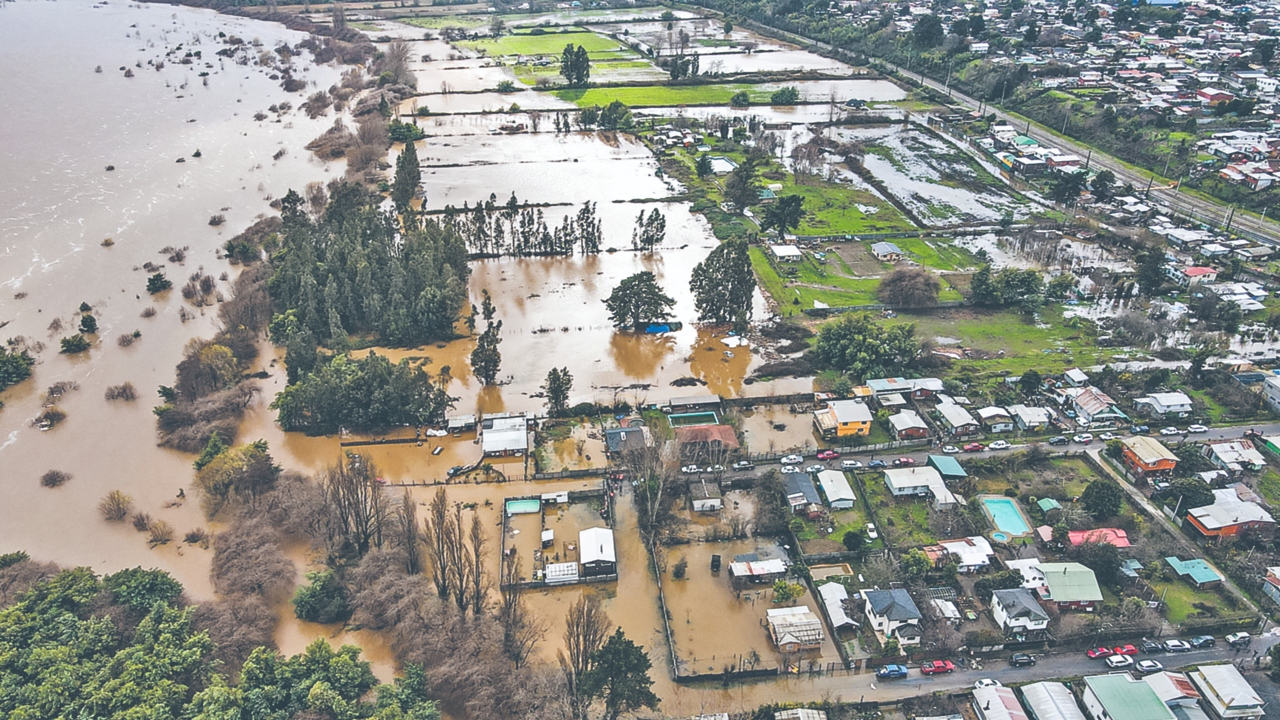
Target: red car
{"points": [[1125, 650], [937, 666], [828, 455], [1101, 652], [974, 447], [904, 462]]}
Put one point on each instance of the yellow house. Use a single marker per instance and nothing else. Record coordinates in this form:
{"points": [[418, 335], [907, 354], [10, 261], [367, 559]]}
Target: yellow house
{"points": [[843, 418]]}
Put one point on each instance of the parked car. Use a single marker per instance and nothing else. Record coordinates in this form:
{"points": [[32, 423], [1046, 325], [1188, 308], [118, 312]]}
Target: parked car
{"points": [[1106, 436], [974, 447], [1150, 646], [950, 449], [1170, 431], [1125, 650], [937, 666], [850, 464], [1119, 661], [743, 465], [1139, 429], [904, 462], [690, 469], [1177, 646], [1100, 652], [815, 469], [1021, 660], [999, 445], [828, 455], [1197, 429], [714, 469], [1201, 642], [987, 682], [792, 459], [871, 531], [455, 470], [1058, 440], [1148, 666], [790, 469], [891, 672], [1083, 438], [1239, 639], [877, 464]]}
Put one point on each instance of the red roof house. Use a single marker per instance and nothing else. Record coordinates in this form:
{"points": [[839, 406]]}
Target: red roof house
{"points": [[1110, 536]]}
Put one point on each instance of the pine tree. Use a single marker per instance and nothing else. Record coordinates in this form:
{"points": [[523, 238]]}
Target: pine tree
{"points": [[408, 178], [486, 359]]}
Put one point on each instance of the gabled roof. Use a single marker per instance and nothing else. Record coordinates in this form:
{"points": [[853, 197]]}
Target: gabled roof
{"points": [[1228, 510], [596, 545], [1051, 701], [998, 703], [848, 411], [801, 484], [896, 604], [956, 416], [1225, 689], [1195, 568], [1148, 450], [1124, 697], [1019, 602], [1110, 536], [906, 420], [836, 486], [947, 466], [1070, 582]]}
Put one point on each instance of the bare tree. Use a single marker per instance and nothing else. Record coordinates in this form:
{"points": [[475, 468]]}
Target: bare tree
{"points": [[479, 582], [395, 60], [410, 534], [357, 502], [521, 629], [587, 627], [459, 558], [436, 532]]}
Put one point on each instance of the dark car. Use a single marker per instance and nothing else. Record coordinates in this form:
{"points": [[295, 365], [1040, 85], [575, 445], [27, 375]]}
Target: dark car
{"points": [[1059, 440], [877, 464], [1021, 660], [1139, 429], [1151, 646], [890, 672], [455, 470], [1200, 642]]}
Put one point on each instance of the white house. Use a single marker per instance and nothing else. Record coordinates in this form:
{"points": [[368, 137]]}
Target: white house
{"points": [[893, 615], [996, 419], [920, 481], [1271, 388], [705, 495], [1075, 377], [957, 420], [1032, 419], [1170, 404], [1227, 693], [836, 487], [1234, 455], [971, 554], [1017, 610]]}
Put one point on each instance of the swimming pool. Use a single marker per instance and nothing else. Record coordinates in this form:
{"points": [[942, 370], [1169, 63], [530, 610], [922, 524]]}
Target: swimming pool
{"points": [[523, 506], [1006, 516], [696, 418]]}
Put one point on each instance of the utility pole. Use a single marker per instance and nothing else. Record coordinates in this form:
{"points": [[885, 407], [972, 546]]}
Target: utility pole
{"points": [[1146, 194]]}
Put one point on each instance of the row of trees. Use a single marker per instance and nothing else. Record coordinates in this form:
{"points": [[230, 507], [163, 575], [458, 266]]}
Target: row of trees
{"points": [[492, 229], [575, 65], [723, 288], [358, 270], [1010, 286]]}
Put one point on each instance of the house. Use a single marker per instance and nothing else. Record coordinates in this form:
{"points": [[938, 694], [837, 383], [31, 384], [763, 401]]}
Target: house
{"points": [[843, 418], [917, 388], [1227, 694], [596, 552], [1070, 585], [920, 481], [971, 554], [1146, 456], [704, 495], [893, 615], [751, 569], [802, 494], [1017, 611], [957, 420], [1213, 96], [1198, 274], [1234, 456], [1110, 536], [908, 425], [628, 439], [710, 441], [800, 714], [887, 252], [1195, 571], [1029, 419], [833, 596], [1271, 390], [786, 253], [836, 487], [1095, 408], [795, 629], [1228, 515], [1162, 405], [693, 404], [948, 467], [1075, 377], [1120, 697], [504, 435], [997, 703], [1051, 701], [1271, 584], [995, 419], [1174, 690]]}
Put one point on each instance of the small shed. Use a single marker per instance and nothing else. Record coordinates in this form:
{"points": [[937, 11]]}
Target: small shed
{"points": [[786, 253], [948, 467], [561, 573], [596, 551], [705, 495]]}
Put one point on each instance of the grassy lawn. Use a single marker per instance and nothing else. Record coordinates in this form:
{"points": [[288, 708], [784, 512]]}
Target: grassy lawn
{"points": [[837, 290], [547, 44], [1269, 485], [832, 209], [816, 539], [906, 521], [436, 23], [601, 70], [1180, 598], [937, 253], [662, 95]]}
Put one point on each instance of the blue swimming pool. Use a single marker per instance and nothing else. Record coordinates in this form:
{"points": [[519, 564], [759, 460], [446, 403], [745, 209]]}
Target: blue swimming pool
{"points": [[1006, 516]]}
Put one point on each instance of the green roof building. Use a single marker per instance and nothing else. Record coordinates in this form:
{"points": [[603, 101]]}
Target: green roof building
{"points": [[948, 467], [1047, 504], [1120, 697], [1070, 585], [1195, 571]]}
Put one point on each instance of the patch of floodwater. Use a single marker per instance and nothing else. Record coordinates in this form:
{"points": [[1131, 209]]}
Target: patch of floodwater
{"points": [[992, 245], [593, 17], [783, 60], [488, 102]]}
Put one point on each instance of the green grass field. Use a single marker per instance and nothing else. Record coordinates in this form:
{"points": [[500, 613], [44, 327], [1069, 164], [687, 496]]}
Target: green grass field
{"points": [[601, 70], [662, 95], [1180, 598], [843, 291], [830, 208], [939, 254], [548, 44], [437, 23]]}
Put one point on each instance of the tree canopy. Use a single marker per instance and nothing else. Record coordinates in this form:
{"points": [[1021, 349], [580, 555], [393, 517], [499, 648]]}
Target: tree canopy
{"points": [[638, 301], [724, 284], [1102, 498], [15, 366], [619, 676], [909, 287], [575, 65], [863, 348], [784, 214]]}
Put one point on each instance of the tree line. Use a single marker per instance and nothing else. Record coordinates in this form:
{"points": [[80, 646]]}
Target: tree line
{"points": [[490, 229]]}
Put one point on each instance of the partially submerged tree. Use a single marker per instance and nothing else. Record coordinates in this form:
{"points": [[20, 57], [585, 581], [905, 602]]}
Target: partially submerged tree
{"points": [[638, 301], [724, 285]]}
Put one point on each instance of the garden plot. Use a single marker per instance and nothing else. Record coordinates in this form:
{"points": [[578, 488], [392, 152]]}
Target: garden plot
{"points": [[933, 178]]}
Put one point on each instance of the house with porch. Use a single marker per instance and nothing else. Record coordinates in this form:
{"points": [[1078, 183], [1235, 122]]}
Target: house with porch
{"points": [[996, 419], [920, 482], [1147, 457], [843, 418], [957, 420], [1018, 611], [1070, 585], [1196, 572], [1165, 405], [908, 425]]}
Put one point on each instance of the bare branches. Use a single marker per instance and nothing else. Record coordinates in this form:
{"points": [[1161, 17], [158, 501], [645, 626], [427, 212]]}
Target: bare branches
{"points": [[521, 629], [409, 534], [357, 503], [587, 627]]}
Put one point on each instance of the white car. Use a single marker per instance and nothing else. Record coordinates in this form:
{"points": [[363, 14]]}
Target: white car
{"points": [[1083, 438], [1116, 662], [790, 469], [871, 531], [1107, 436], [815, 469], [1170, 431], [850, 464], [716, 469], [1148, 666], [987, 682], [999, 445], [690, 469], [792, 460], [1197, 429], [950, 449]]}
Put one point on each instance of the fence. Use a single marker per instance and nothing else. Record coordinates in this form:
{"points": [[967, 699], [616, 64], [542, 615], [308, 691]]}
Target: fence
{"points": [[777, 456], [560, 475], [823, 312]]}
